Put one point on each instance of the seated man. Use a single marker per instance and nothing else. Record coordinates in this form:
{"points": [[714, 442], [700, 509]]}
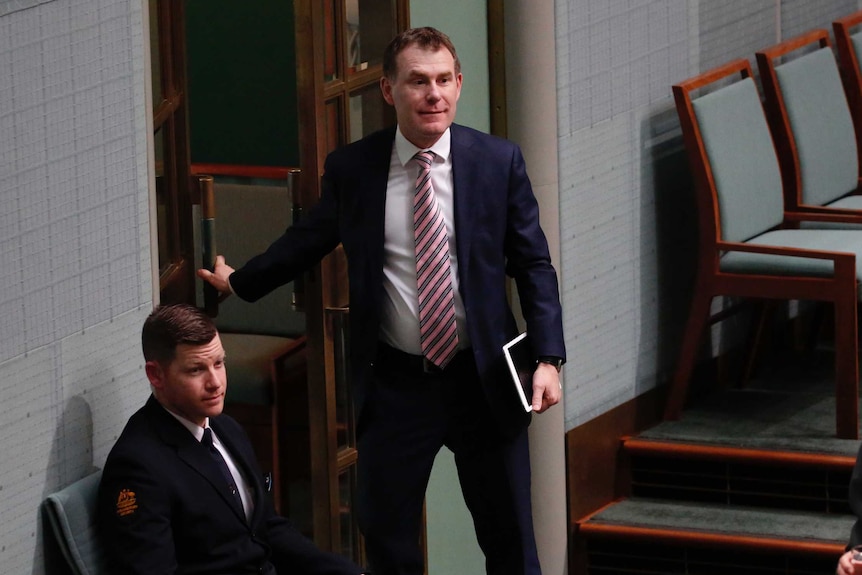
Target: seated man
{"points": [[181, 490]]}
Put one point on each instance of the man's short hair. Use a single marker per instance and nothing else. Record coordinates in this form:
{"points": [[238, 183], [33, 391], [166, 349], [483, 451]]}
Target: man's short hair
{"points": [[426, 38], [171, 325]]}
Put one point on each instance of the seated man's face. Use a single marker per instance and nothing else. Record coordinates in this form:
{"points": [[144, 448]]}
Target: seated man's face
{"points": [[194, 383]]}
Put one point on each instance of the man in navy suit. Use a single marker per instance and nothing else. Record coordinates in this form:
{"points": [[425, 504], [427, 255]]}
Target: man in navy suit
{"points": [[167, 502], [409, 404]]}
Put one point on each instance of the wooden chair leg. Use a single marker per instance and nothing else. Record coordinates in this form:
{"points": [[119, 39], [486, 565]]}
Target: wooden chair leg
{"points": [[698, 317], [754, 341], [846, 370]]}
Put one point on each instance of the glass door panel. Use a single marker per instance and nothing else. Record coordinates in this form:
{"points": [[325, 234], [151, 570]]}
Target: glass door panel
{"points": [[369, 112], [333, 120], [328, 29], [164, 204], [348, 525], [344, 420], [369, 26]]}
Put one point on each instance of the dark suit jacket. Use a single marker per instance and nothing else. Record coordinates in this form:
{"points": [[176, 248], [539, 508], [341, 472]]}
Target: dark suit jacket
{"points": [[160, 512], [497, 234]]}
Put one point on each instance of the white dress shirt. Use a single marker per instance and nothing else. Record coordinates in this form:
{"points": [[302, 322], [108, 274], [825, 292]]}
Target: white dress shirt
{"points": [[399, 325]]}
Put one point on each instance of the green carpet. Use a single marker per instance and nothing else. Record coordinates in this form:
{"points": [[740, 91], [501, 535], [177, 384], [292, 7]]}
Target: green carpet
{"points": [[729, 520], [789, 406], [760, 419]]}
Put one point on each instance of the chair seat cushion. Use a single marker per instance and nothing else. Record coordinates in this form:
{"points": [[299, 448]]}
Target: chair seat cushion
{"points": [[852, 202], [847, 241], [249, 360]]}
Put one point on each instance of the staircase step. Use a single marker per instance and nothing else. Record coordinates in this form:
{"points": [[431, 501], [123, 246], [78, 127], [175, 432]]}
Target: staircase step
{"points": [[724, 526], [681, 471], [781, 418]]}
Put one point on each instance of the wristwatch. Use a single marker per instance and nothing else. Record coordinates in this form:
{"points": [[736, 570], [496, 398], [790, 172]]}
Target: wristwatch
{"points": [[557, 362]]}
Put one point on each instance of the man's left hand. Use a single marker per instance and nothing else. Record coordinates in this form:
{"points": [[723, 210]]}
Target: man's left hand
{"points": [[547, 390]]}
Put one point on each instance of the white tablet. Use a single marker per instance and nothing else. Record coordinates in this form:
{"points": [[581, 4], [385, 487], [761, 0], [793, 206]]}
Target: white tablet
{"points": [[522, 365]]}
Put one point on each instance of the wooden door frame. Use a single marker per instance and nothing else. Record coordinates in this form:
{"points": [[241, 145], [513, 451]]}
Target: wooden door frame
{"points": [[176, 283], [325, 285]]}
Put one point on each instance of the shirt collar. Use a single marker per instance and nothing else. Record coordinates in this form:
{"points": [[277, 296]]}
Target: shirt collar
{"points": [[407, 150]]}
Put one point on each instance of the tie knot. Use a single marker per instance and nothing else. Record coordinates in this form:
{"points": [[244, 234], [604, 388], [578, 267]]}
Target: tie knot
{"points": [[425, 158]]}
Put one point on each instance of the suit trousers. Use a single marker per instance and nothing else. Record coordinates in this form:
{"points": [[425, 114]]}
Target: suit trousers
{"points": [[410, 413]]}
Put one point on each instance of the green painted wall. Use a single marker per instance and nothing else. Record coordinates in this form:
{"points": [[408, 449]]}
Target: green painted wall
{"points": [[452, 546], [242, 82], [466, 23]]}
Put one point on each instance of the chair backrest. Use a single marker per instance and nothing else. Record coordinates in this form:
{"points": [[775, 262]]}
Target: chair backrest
{"points": [[809, 110], [736, 151], [848, 41], [71, 513], [248, 219]]}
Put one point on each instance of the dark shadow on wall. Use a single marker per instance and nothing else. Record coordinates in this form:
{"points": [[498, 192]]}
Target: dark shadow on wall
{"points": [[671, 253], [71, 459]]}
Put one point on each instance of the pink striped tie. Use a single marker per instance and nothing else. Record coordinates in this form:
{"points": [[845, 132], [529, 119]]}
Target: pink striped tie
{"points": [[438, 333]]}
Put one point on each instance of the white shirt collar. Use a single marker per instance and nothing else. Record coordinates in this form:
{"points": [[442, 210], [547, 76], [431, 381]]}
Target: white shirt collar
{"points": [[407, 150], [194, 428]]}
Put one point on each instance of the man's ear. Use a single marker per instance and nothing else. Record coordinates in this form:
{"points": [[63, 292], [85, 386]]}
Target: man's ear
{"points": [[386, 88], [155, 374]]}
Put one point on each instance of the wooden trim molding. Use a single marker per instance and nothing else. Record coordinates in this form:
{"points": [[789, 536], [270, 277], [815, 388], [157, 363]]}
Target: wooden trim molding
{"points": [[231, 170], [497, 68], [740, 455]]}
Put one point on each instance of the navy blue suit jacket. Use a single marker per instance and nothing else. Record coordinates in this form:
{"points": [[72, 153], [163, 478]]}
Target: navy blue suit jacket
{"points": [[162, 511], [497, 234]]}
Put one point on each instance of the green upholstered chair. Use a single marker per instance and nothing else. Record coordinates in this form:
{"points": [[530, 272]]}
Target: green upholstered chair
{"points": [[264, 341], [71, 515], [745, 247], [811, 122]]}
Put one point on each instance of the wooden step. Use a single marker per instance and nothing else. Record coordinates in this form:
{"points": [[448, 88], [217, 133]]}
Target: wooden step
{"points": [[727, 526], [679, 471]]}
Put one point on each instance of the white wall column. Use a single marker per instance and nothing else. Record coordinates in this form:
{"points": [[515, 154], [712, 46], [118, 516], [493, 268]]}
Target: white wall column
{"points": [[531, 91]]}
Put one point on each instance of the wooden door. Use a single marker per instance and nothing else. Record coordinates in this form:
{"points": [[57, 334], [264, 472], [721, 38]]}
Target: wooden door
{"points": [[173, 195], [339, 48]]}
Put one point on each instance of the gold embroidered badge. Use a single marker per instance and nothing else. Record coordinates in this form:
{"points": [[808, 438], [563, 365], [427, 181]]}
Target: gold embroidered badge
{"points": [[126, 503]]}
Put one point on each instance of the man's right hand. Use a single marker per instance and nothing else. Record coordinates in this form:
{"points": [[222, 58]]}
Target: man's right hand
{"points": [[218, 278], [846, 566]]}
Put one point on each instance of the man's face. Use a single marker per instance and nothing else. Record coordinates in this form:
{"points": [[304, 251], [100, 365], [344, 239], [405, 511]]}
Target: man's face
{"points": [[194, 383], [424, 92]]}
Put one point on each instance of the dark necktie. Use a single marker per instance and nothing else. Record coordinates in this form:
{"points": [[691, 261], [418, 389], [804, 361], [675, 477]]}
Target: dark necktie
{"points": [[207, 442], [437, 329]]}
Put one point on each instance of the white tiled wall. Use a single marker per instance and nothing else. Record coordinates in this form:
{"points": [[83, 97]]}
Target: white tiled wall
{"points": [[75, 284], [800, 16], [626, 238], [74, 249]]}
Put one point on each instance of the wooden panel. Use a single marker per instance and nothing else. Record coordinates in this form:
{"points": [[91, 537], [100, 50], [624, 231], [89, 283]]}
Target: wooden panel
{"points": [[594, 464]]}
